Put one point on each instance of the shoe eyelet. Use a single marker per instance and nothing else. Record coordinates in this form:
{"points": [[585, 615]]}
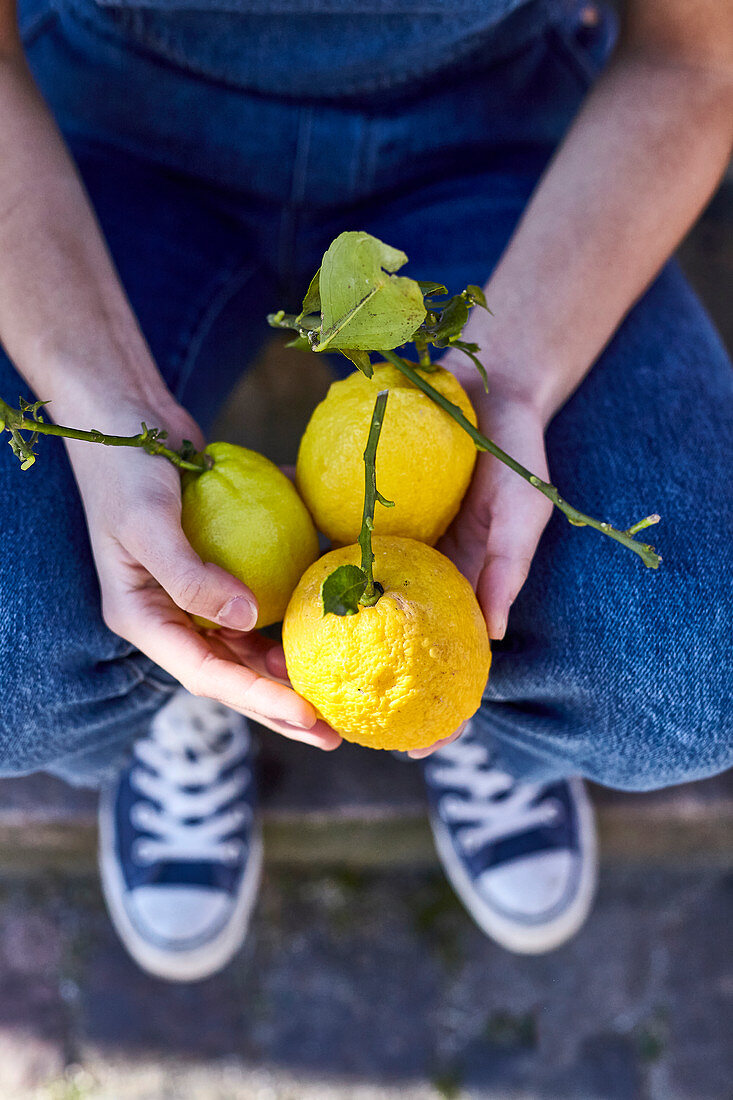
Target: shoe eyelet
{"points": [[554, 810], [243, 812], [140, 815], [135, 776], [467, 843], [140, 853], [448, 805], [235, 851]]}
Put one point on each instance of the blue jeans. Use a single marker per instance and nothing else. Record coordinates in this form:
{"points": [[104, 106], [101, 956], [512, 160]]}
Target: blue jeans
{"points": [[217, 204]]}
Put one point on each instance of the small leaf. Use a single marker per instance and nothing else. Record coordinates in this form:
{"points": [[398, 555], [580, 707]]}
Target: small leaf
{"points": [[300, 343], [312, 300], [365, 306], [429, 290], [470, 350], [360, 359], [451, 320], [476, 296], [342, 590]]}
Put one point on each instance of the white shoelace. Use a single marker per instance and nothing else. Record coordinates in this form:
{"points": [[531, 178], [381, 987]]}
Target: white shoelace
{"points": [[191, 743], [495, 805]]}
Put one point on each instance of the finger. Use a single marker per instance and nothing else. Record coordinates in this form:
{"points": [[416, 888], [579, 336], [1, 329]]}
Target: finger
{"points": [[465, 540], [250, 649], [158, 628], [519, 516], [200, 588], [263, 654], [420, 754], [275, 662]]}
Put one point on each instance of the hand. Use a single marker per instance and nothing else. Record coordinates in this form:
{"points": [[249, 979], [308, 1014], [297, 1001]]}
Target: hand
{"points": [[152, 581], [495, 534]]}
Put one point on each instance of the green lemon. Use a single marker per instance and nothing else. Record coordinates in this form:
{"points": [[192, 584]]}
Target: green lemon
{"points": [[246, 516]]}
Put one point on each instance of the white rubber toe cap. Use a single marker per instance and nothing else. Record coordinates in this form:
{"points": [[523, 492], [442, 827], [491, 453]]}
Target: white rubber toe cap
{"points": [[532, 886], [178, 914]]}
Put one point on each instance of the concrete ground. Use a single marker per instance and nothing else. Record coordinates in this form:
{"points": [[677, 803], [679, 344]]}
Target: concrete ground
{"points": [[376, 986]]}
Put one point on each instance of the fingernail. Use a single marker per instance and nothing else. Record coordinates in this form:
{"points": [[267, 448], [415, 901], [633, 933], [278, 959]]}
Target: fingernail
{"points": [[500, 625], [239, 613], [307, 725]]}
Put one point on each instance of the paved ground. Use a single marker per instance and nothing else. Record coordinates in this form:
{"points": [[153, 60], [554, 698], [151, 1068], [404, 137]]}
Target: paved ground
{"points": [[377, 987]]}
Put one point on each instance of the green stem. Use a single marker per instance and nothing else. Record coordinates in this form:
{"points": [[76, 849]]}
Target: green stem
{"points": [[424, 356], [149, 440], [303, 323], [371, 496], [579, 519]]}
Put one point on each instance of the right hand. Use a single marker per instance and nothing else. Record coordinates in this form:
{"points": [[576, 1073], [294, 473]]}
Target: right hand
{"points": [[151, 580]]}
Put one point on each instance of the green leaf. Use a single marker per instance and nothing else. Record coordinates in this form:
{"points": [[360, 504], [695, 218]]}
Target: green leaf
{"points": [[312, 300], [365, 306], [451, 320], [429, 289], [342, 590], [470, 350], [360, 359], [300, 343], [476, 296]]}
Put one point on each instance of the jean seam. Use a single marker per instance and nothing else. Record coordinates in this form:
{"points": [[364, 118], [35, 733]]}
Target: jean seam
{"points": [[115, 36]]}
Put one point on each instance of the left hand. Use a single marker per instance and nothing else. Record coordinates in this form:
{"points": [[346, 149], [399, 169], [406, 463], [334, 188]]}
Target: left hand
{"points": [[495, 534]]}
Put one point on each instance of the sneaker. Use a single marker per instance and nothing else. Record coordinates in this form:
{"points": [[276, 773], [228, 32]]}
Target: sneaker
{"points": [[180, 849], [522, 857]]}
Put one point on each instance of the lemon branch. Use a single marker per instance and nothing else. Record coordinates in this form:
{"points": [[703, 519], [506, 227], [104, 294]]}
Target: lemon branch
{"points": [[579, 519], [27, 418], [348, 587], [405, 311], [372, 591]]}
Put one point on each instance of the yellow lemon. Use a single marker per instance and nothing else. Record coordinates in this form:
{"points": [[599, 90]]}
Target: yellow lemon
{"points": [[399, 675], [246, 516], [424, 462]]}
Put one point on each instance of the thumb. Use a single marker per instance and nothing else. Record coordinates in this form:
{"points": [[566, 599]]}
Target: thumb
{"points": [[198, 587], [519, 516]]}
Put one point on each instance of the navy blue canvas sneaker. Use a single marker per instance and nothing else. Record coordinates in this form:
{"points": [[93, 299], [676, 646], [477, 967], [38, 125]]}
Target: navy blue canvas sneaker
{"points": [[180, 847], [522, 857]]}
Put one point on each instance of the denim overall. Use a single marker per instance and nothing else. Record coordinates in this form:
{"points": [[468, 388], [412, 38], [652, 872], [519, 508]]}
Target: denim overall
{"points": [[224, 143]]}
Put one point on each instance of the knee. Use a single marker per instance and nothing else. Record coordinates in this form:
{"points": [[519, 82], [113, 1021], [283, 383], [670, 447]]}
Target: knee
{"points": [[59, 699], [647, 763], [682, 735]]}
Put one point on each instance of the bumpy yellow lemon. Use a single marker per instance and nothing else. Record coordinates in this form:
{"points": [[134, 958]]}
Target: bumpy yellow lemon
{"points": [[399, 675], [424, 461], [246, 516]]}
